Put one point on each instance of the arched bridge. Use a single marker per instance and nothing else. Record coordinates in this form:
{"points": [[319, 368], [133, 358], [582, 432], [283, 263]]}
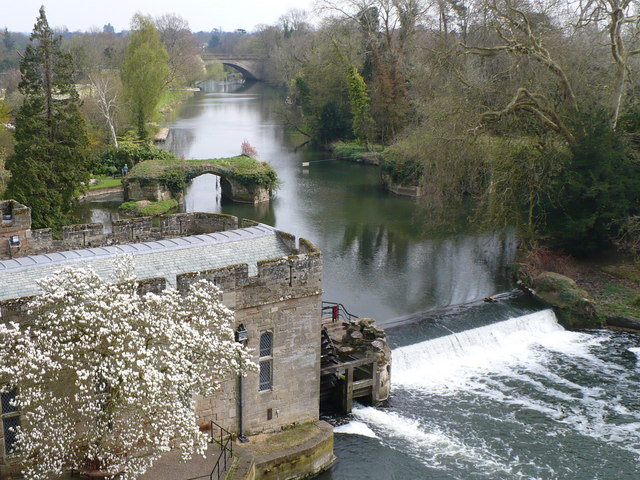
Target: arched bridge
{"points": [[242, 179], [251, 66]]}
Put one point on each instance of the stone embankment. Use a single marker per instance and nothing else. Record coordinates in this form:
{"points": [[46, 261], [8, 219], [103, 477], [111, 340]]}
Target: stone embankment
{"points": [[161, 136], [400, 189], [301, 451], [108, 194]]}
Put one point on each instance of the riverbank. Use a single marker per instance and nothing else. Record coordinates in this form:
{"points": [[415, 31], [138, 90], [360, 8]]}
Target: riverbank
{"points": [[355, 152], [611, 283], [104, 192]]}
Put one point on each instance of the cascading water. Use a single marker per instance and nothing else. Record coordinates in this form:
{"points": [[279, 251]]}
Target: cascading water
{"points": [[520, 398], [472, 350]]}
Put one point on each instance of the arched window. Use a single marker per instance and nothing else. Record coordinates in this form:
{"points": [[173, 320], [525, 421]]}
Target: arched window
{"points": [[266, 361]]}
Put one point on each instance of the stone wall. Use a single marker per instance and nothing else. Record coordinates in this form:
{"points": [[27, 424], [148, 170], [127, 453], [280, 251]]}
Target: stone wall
{"points": [[285, 298], [402, 190], [145, 190], [197, 223], [150, 189], [133, 230], [15, 220], [79, 236]]}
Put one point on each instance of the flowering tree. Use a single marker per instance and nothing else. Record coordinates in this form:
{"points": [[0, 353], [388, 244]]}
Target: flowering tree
{"points": [[248, 150], [102, 372]]}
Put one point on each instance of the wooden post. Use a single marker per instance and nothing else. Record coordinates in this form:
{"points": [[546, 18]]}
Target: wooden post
{"points": [[375, 388], [349, 391]]}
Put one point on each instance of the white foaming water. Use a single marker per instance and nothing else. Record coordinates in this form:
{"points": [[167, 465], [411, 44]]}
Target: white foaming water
{"points": [[527, 351], [450, 360], [356, 428], [428, 443]]}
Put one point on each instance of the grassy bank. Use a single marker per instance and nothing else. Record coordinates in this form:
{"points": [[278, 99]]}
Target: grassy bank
{"points": [[105, 182], [612, 280], [357, 152], [170, 99]]}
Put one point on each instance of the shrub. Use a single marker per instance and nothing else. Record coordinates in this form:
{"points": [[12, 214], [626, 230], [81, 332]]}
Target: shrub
{"points": [[128, 153], [403, 170], [148, 209], [175, 179], [597, 190], [248, 150]]}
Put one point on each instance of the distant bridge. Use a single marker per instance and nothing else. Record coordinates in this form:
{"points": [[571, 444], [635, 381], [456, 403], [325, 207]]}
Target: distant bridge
{"points": [[251, 66]]}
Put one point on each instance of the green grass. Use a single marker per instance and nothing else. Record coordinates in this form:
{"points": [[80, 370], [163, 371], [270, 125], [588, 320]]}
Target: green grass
{"points": [[143, 209], [106, 182], [353, 149], [620, 300], [629, 272]]}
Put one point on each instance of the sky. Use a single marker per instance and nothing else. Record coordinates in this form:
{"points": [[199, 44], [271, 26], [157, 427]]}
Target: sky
{"points": [[205, 15]]}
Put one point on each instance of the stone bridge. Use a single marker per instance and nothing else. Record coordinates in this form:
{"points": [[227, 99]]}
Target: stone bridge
{"points": [[251, 66], [152, 187]]}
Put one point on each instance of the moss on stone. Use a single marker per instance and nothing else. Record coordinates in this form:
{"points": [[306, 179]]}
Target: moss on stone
{"points": [[293, 435], [572, 305], [175, 173], [148, 209]]}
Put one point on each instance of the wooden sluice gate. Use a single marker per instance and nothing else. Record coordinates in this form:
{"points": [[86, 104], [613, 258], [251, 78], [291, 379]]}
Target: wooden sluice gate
{"points": [[355, 361], [357, 379]]}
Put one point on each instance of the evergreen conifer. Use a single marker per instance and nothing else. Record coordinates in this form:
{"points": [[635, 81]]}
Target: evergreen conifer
{"points": [[51, 152]]}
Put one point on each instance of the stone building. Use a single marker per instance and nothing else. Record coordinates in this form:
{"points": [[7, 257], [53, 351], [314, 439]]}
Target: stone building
{"points": [[272, 282]]}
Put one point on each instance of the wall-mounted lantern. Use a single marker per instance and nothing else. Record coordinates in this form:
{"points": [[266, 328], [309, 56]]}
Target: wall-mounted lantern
{"points": [[14, 241], [241, 334]]}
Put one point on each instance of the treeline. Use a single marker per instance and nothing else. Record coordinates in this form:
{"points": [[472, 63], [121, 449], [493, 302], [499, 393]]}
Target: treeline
{"points": [[529, 108], [77, 104], [532, 108]]}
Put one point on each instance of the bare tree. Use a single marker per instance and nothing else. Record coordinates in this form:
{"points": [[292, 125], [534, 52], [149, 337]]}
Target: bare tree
{"points": [[622, 20], [519, 36], [185, 64], [107, 87]]}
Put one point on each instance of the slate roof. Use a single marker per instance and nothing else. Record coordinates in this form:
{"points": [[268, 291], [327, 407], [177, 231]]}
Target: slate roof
{"points": [[163, 258]]}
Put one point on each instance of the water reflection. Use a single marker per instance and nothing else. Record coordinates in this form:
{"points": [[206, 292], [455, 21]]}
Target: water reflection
{"points": [[97, 212], [204, 194], [383, 257]]}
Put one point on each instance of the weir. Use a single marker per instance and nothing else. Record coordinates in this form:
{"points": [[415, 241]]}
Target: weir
{"points": [[442, 360], [459, 344]]}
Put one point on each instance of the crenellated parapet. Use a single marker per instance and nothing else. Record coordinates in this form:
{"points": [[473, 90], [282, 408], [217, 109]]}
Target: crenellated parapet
{"points": [[277, 280]]}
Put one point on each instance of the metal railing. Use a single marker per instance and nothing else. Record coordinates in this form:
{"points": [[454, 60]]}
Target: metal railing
{"points": [[225, 441], [337, 312]]}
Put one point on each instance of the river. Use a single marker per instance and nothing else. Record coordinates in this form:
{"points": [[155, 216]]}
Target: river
{"points": [[481, 390]]}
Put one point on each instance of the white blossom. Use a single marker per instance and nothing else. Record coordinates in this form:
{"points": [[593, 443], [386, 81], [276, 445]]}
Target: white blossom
{"points": [[101, 371]]}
